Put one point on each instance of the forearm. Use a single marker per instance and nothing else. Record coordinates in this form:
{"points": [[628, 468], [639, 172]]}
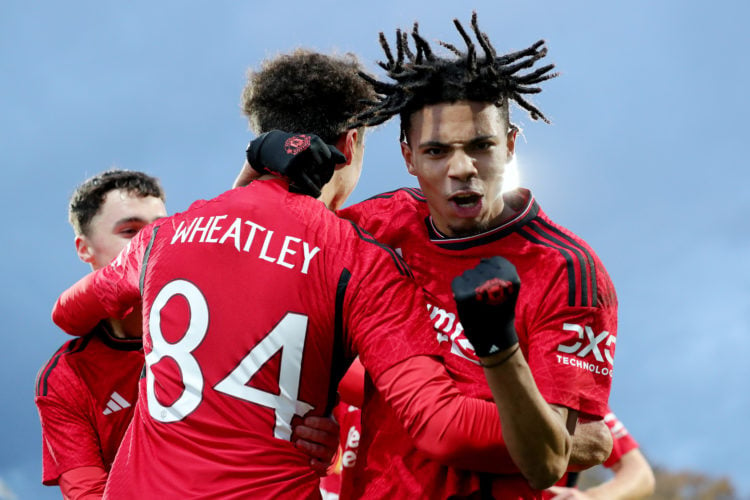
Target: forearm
{"points": [[633, 479], [83, 483], [592, 444], [77, 310], [535, 433], [444, 424]]}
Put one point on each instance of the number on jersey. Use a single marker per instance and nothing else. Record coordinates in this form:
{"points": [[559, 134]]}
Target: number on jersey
{"points": [[288, 336]]}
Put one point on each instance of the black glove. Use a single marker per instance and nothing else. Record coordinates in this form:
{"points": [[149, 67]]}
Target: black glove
{"points": [[486, 302], [303, 159]]}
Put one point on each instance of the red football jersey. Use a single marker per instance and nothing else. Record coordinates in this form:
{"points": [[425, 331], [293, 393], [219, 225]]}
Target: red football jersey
{"points": [[85, 396], [253, 304], [622, 441], [566, 319], [338, 482]]}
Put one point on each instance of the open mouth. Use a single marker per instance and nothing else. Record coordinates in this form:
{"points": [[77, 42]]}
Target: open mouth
{"points": [[466, 200]]}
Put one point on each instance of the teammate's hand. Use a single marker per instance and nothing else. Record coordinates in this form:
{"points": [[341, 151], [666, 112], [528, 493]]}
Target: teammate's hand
{"points": [[318, 437], [486, 302], [304, 159], [563, 493]]}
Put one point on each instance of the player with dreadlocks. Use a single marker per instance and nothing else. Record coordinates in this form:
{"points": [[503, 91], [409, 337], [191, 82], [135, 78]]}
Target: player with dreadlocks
{"points": [[456, 138]]}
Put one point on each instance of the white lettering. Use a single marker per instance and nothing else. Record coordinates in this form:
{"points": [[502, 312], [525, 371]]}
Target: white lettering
{"points": [[348, 458], [309, 254], [181, 232], [250, 238], [214, 227], [200, 229], [263, 250], [233, 232], [286, 250]]}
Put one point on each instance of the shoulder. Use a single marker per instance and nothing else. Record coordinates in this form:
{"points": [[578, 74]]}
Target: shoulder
{"points": [[387, 205], [61, 368], [388, 213], [589, 283]]}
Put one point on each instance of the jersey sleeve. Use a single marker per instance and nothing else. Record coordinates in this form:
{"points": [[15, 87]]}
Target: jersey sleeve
{"points": [[69, 439], [385, 311], [110, 292], [445, 425], [571, 348], [622, 441]]}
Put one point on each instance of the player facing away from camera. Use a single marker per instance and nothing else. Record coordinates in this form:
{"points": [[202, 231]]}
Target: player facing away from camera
{"points": [[86, 392], [254, 303], [457, 140], [633, 477]]}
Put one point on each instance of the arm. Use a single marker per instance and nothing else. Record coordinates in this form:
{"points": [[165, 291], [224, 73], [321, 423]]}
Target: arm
{"points": [[444, 424], [633, 479], [111, 292], [537, 434], [83, 483], [592, 444]]}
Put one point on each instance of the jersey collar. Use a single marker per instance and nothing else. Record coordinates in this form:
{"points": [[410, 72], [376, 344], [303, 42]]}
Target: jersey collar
{"points": [[104, 332], [520, 199]]}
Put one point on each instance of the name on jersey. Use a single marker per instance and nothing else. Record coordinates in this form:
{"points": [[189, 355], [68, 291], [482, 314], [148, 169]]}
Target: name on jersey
{"points": [[247, 236]]}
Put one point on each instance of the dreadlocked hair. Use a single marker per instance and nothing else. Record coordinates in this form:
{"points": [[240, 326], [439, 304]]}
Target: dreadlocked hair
{"points": [[421, 78]]}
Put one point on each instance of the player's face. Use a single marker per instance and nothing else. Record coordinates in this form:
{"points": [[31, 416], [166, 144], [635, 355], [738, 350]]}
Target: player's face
{"points": [[120, 217], [458, 152]]}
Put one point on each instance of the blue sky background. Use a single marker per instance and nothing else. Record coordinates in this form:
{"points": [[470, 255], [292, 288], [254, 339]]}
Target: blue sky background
{"points": [[645, 159]]}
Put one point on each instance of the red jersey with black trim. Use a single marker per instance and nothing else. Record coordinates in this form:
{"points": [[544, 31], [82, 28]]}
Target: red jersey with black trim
{"points": [[566, 320], [622, 441], [254, 303], [85, 395]]}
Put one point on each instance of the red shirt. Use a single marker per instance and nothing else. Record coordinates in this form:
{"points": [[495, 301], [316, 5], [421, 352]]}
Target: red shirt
{"points": [[566, 320], [622, 441], [338, 483], [85, 396], [253, 304]]}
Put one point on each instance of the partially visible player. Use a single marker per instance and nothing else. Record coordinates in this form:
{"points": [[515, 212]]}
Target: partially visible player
{"points": [[254, 303], [633, 477], [86, 392]]}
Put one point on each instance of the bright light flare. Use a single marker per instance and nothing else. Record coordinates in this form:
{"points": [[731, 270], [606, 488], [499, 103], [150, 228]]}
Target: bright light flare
{"points": [[511, 178]]}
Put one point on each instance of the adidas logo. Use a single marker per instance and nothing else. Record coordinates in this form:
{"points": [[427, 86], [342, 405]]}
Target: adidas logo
{"points": [[115, 403]]}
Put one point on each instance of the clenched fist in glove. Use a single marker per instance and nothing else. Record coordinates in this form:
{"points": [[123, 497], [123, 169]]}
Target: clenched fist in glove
{"points": [[303, 159], [486, 302]]}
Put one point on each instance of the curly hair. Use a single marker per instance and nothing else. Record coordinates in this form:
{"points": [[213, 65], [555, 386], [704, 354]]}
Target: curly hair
{"points": [[306, 92], [420, 78], [87, 199]]}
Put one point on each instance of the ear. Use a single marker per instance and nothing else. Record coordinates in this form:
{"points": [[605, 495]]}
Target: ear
{"points": [[246, 175], [84, 250], [346, 144], [407, 154], [511, 142]]}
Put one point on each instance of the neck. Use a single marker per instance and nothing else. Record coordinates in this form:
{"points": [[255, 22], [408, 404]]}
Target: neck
{"points": [[129, 327]]}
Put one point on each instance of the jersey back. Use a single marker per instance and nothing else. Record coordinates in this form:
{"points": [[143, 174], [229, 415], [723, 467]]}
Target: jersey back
{"points": [[254, 303]]}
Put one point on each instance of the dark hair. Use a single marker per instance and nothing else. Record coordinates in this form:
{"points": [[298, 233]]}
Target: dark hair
{"points": [[87, 199], [306, 92], [421, 78]]}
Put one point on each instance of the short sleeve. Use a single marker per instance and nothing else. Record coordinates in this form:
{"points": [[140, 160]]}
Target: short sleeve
{"points": [[387, 314], [69, 439], [571, 354]]}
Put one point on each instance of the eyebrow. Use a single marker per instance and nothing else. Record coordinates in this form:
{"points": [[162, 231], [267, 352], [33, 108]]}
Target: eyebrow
{"points": [[445, 144]]}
